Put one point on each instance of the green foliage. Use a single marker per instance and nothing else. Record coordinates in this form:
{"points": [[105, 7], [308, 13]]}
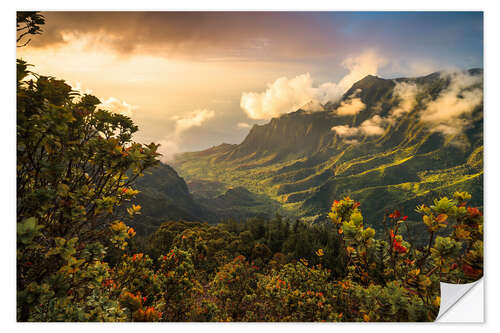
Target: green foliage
{"points": [[397, 274], [75, 165], [297, 292], [251, 271], [233, 288]]}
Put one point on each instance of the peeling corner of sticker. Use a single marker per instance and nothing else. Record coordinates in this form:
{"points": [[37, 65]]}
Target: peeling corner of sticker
{"points": [[451, 294]]}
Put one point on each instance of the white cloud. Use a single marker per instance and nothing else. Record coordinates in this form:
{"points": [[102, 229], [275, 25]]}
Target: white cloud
{"points": [[118, 106], [370, 127], [365, 64], [287, 95], [77, 86], [170, 146], [406, 93], [244, 125], [344, 130], [194, 119], [350, 107], [111, 104], [374, 125], [448, 112], [282, 96]]}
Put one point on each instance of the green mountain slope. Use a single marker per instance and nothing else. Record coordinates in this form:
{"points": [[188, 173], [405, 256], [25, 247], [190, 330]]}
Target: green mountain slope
{"points": [[298, 161]]}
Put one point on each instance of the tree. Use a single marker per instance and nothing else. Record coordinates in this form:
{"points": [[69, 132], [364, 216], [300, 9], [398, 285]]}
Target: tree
{"points": [[28, 23], [76, 164]]}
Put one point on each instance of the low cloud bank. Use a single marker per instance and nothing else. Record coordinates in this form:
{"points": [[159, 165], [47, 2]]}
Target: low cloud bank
{"points": [[370, 127], [406, 93], [170, 146], [350, 107], [449, 113]]}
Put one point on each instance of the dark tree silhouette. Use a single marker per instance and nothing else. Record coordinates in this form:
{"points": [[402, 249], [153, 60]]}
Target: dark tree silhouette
{"points": [[28, 23]]}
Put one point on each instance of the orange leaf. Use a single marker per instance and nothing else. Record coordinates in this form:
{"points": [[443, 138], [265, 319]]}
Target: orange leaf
{"points": [[441, 218]]}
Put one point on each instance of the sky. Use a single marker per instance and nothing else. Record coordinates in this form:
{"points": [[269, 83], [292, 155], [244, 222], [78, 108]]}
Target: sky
{"points": [[192, 80]]}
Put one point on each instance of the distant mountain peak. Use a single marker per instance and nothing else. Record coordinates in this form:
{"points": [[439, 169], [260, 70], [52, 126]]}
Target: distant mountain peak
{"points": [[368, 81]]}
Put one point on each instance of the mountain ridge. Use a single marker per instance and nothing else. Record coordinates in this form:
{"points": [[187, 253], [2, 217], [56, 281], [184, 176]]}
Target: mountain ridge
{"points": [[298, 160]]}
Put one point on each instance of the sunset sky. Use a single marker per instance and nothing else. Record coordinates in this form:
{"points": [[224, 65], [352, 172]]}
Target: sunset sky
{"points": [[193, 80]]}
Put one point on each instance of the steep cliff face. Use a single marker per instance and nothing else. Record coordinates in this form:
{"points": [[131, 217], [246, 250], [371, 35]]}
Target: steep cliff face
{"points": [[298, 133], [165, 196]]}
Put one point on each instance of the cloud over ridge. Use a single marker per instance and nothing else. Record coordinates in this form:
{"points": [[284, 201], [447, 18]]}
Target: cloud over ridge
{"points": [[448, 113], [350, 107], [286, 95]]}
